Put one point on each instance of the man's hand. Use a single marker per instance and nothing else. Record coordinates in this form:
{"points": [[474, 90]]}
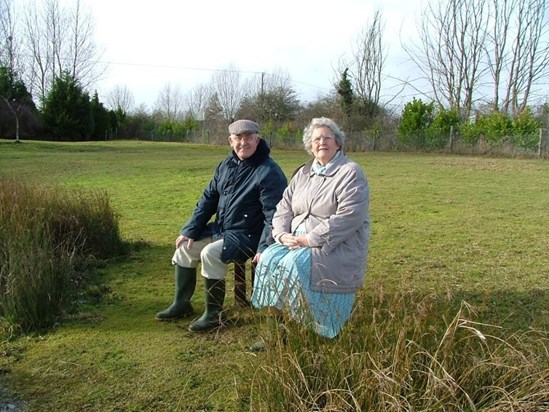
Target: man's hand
{"points": [[182, 239]]}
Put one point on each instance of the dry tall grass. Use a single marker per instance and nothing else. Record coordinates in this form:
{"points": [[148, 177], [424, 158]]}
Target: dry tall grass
{"points": [[47, 237], [399, 354]]}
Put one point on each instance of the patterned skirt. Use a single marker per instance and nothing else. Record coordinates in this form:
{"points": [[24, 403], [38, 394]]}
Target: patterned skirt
{"points": [[282, 280]]}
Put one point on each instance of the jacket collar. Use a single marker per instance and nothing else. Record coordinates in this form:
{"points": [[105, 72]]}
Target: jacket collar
{"points": [[332, 167]]}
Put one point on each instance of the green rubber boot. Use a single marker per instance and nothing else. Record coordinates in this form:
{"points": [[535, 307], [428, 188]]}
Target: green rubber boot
{"points": [[215, 296], [185, 284]]}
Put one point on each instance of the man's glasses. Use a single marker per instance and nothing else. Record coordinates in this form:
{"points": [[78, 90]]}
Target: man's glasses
{"points": [[243, 137]]}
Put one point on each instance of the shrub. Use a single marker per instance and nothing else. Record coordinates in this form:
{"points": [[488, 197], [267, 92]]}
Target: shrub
{"points": [[287, 134], [495, 127], [417, 116], [441, 127], [47, 235], [525, 130], [175, 129], [499, 128]]}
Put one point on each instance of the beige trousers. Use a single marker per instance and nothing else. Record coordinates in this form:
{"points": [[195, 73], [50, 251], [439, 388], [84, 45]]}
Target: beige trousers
{"points": [[208, 252]]}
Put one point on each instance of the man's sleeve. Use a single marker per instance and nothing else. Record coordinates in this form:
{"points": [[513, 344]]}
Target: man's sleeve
{"points": [[205, 208]]}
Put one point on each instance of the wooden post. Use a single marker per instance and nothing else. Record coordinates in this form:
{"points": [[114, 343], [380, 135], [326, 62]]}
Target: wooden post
{"points": [[240, 297], [540, 143], [240, 284], [451, 138]]}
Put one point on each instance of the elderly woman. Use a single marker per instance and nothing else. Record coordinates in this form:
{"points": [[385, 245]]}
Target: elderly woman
{"points": [[321, 229]]}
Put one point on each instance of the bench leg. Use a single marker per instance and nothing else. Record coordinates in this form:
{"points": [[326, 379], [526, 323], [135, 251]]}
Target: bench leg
{"points": [[252, 274], [240, 284]]}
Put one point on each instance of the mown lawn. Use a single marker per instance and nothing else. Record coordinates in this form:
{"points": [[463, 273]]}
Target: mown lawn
{"points": [[474, 229]]}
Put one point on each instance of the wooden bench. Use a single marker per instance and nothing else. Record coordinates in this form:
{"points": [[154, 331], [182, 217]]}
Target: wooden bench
{"points": [[240, 296]]}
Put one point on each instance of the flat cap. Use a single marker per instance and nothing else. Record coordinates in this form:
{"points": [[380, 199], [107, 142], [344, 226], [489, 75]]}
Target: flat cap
{"points": [[243, 126]]}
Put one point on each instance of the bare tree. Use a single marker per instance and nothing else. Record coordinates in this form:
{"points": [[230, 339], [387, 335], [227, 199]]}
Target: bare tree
{"points": [[226, 88], [528, 61], [57, 41], [82, 56], [497, 44], [471, 46], [196, 101], [9, 47], [42, 37], [120, 98], [170, 102], [267, 82], [451, 51], [367, 63], [269, 96]]}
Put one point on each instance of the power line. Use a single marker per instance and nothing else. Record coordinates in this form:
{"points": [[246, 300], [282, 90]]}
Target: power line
{"points": [[164, 66], [204, 69]]}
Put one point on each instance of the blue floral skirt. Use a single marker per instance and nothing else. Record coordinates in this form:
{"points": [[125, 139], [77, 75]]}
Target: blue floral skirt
{"points": [[282, 280]]}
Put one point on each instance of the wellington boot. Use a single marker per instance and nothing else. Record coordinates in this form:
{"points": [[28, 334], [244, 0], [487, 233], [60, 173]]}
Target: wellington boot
{"points": [[185, 284], [215, 296]]}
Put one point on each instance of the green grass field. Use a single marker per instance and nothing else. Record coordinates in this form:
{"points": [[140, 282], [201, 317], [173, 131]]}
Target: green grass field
{"points": [[470, 228]]}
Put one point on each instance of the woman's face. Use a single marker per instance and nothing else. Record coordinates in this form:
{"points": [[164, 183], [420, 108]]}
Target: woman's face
{"points": [[323, 144]]}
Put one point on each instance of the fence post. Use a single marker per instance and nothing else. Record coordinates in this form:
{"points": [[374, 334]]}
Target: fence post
{"points": [[451, 138], [540, 143]]}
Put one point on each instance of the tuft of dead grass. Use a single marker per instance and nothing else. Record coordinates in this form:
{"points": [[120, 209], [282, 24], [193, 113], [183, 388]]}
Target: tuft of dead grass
{"points": [[400, 354]]}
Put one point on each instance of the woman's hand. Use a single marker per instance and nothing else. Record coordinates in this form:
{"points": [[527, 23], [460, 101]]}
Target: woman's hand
{"points": [[294, 242], [256, 258]]}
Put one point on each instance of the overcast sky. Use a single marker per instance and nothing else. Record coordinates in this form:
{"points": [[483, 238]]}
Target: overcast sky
{"points": [[149, 44]]}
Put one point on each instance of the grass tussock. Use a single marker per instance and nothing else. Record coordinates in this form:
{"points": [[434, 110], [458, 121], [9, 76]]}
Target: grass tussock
{"points": [[48, 238], [405, 352]]}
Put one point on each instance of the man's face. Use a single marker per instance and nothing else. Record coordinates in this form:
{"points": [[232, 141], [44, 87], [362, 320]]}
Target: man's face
{"points": [[244, 145]]}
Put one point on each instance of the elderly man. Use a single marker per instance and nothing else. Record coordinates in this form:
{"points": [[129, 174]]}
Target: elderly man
{"points": [[242, 195]]}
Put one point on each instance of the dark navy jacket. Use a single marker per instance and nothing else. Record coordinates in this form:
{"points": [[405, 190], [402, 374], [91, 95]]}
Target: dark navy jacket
{"points": [[242, 195]]}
